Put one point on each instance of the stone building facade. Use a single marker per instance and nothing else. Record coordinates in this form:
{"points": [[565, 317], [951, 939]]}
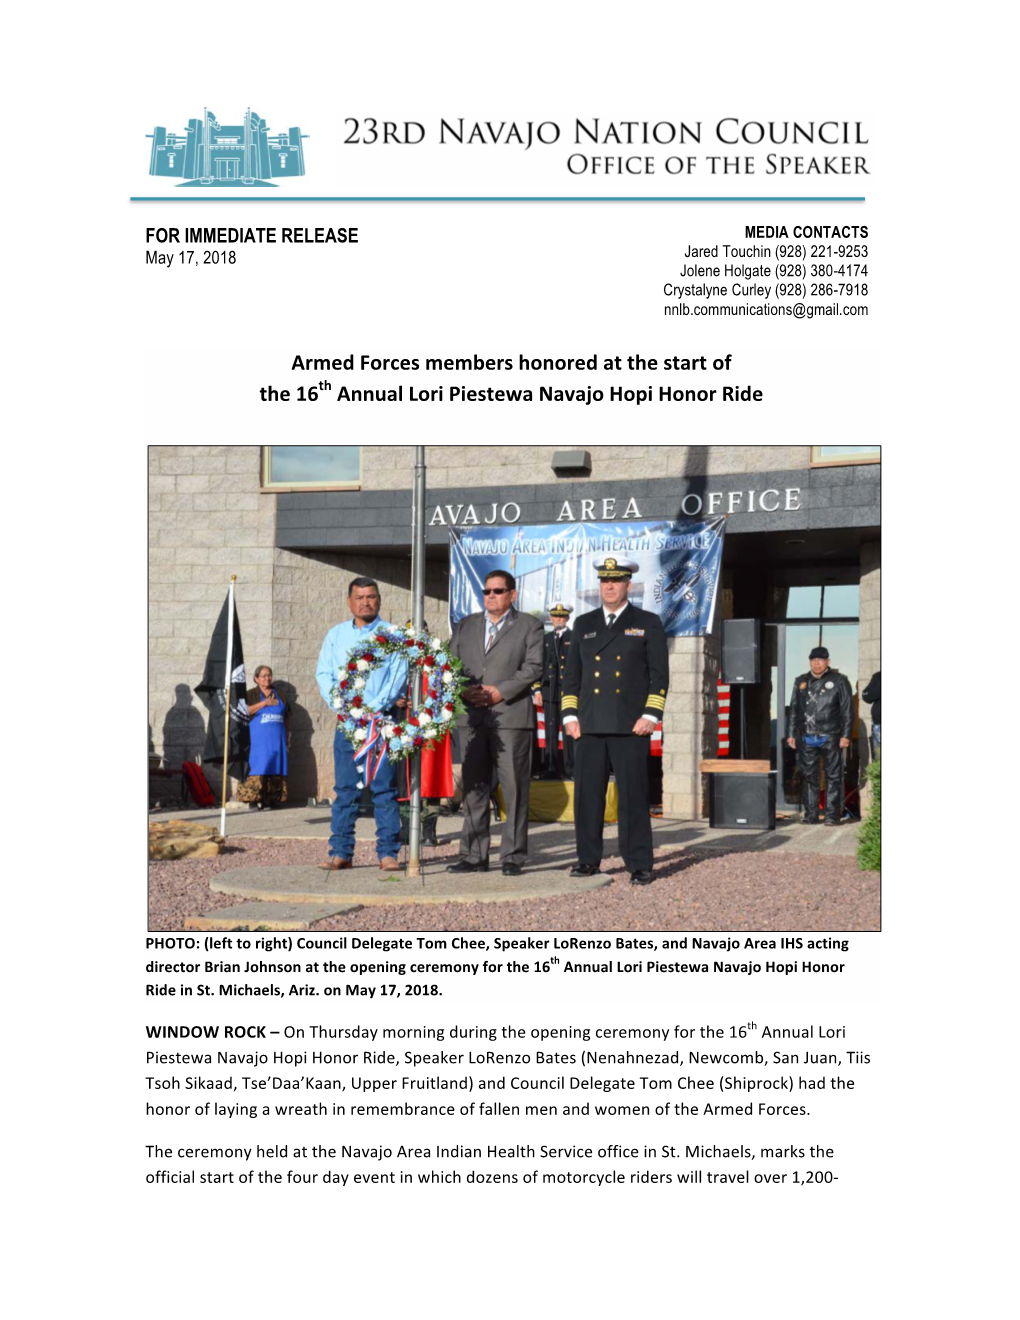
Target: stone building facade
{"points": [[789, 522]]}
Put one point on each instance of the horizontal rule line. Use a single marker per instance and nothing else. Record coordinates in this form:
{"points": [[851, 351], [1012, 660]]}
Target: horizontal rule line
{"points": [[214, 197]]}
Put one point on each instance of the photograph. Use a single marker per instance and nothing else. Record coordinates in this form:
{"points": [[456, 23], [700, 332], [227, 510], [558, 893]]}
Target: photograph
{"points": [[514, 688]]}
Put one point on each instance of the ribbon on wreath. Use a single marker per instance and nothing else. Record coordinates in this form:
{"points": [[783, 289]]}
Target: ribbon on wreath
{"points": [[372, 752]]}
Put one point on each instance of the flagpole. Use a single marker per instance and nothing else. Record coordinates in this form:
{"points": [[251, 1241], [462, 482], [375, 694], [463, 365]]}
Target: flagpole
{"points": [[418, 593], [226, 702]]}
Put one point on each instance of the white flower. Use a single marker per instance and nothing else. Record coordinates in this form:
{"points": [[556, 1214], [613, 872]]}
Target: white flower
{"points": [[406, 740], [436, 643], [363, 665], [360, 735], [410, 632], [448, 677], [359, 684], [337, 703], [424, 718], [444, 714], [389, 730]]}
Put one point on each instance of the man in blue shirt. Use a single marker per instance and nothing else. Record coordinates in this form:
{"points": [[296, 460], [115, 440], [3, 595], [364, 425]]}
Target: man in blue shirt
{"points": [[385, 691]]}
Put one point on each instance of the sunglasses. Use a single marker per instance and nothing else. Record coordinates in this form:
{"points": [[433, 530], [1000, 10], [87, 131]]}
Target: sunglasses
{"points": [[495, 591]]}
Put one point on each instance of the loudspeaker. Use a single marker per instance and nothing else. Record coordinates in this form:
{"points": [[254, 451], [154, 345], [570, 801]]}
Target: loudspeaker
{"points": [[740, 651], [742, 802]]}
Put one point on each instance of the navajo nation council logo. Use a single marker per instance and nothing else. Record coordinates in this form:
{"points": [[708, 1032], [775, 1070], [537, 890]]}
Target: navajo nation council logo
{"points": [[211, 154]]}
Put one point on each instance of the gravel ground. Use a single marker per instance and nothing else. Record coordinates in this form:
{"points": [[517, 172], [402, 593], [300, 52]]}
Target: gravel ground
{"points": [[694, 890]]}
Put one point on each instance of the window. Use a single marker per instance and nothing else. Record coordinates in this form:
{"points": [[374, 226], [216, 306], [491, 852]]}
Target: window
{"points": [[311, 467], [829, 600], [832, 455]]}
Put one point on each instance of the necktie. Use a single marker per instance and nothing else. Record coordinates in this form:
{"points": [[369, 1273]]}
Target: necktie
{"points": [[490, 636], [611, 620]]}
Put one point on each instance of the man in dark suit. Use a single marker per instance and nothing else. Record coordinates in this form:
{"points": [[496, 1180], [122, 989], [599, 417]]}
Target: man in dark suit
{"points": [[501, 651], [555, 764], [614, 691]]}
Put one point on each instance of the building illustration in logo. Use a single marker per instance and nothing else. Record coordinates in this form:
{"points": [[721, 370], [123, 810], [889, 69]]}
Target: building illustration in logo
{"points": [[211, 154]]}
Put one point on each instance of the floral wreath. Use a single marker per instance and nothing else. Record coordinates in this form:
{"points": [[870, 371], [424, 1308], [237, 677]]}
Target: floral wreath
{"points": [[374, 735]]}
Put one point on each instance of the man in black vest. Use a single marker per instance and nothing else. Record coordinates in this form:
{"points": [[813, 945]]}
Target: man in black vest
{"points": [[821, 718], [872, 694], [555, 765], [614, 691]]}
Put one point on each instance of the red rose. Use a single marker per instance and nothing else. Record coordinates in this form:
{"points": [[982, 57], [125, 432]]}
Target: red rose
{"points": [[352, 665], [355, 701], [342, 684], [418, 741], [412, 721]]}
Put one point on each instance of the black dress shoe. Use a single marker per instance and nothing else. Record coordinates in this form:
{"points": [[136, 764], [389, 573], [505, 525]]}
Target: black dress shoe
{"points": [[641, 877], [461, 867], [511, 868], [581, 869]]}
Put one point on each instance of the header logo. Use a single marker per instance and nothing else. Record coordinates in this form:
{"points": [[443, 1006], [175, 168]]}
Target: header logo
{"points": [[211, 154]]}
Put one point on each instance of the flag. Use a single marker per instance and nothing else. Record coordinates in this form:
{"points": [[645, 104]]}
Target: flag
{"points": [[436, 772], [211, 690]]}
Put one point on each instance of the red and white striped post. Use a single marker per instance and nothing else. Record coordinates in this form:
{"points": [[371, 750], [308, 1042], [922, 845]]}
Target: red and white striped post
{"points": [[724, 719]]}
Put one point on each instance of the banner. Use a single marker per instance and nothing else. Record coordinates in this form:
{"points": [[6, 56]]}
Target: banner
{"points": [[676, 568]]}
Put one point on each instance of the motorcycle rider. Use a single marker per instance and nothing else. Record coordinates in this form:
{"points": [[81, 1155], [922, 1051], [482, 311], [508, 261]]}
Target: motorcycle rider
{"points": [[821, 719]]}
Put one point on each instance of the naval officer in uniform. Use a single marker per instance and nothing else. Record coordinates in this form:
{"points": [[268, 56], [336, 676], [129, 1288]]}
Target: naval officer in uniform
{"points": [[555, 764], [614, 691]]}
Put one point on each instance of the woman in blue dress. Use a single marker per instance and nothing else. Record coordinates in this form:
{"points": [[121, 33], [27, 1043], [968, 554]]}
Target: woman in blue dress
{"points": [[266, 785]]}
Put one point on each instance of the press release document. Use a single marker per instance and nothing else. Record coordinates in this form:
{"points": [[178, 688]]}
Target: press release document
{"points": [[588, 227]]}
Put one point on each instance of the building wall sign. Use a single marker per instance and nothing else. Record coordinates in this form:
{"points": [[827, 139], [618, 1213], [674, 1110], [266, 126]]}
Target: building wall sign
{"points": [[605, 510], [789, 500], [763, 501], [465, 515]]}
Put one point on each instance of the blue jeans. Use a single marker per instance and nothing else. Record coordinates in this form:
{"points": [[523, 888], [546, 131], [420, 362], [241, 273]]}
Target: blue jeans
{"points": [[348, 795], [876, 738]]}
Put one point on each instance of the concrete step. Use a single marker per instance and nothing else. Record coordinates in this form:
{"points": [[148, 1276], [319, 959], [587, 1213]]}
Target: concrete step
{"points": [[268, 916], [365, 886]]}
